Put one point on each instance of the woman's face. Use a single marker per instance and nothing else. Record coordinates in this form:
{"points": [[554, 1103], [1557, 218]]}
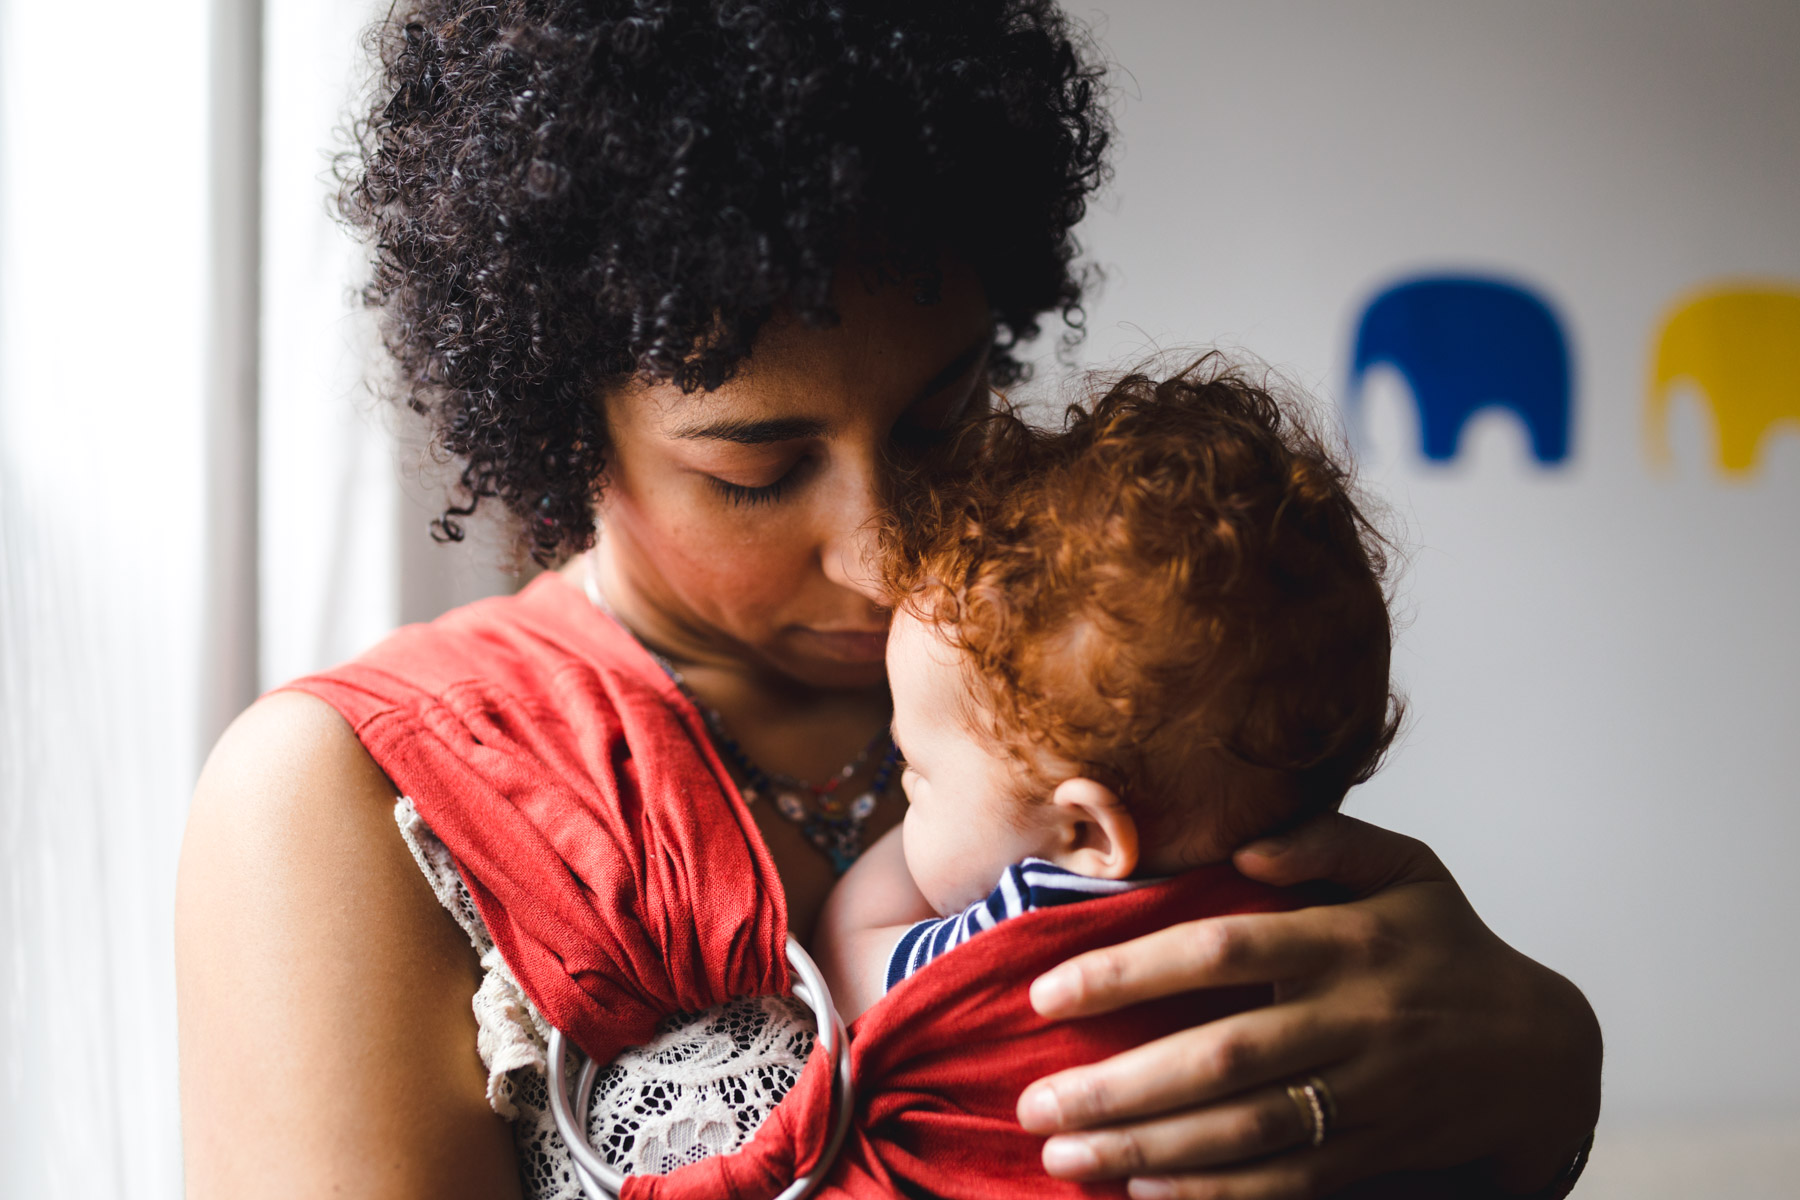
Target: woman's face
{"points": [[735, 524]]}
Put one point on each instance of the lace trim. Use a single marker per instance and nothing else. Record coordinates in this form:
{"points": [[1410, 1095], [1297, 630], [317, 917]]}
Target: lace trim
{"points": [[510, 1033], [701, 1087]]}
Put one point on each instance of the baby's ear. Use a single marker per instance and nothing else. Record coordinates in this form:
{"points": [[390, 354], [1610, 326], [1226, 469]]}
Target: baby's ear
{"points": [[1100, 837]]}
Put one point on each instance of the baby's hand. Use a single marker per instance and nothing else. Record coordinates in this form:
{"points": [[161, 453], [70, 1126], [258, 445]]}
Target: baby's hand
{"points": [[872, 905]]}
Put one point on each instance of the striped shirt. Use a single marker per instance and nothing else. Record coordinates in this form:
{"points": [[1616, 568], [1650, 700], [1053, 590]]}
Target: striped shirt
{"points": [[1024, 886]]}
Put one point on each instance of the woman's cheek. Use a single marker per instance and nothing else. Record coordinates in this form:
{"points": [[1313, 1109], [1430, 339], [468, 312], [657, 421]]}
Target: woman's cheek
{"points": [[726, 555], [770, 541]]}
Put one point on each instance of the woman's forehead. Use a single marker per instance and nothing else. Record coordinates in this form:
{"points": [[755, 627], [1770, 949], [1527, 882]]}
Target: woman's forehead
{"points": [[888, 352]]}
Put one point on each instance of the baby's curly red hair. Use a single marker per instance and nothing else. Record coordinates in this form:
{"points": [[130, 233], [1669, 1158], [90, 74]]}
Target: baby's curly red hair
{"points": [[1174, 593]]}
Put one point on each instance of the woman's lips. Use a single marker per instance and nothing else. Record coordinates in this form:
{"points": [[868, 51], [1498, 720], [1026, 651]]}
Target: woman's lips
{"points": [[847, 645]]}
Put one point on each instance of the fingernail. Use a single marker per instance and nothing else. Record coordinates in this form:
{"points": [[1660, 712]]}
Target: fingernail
{"points": [[1052, 993], [1069, 1156], [1269, 847], [1039, 1110], [1151, 1189]]}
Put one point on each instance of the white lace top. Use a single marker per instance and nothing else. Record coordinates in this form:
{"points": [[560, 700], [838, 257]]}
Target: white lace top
{"points": [[701, 1087]]}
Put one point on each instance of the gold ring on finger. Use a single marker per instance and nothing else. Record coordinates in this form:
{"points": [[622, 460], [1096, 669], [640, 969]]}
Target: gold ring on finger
{"points": [[1318, 1108], [1327, 1102]]}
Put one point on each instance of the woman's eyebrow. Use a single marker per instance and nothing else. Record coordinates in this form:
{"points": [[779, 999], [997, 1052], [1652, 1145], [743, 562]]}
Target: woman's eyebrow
{"points": [[961, 363], [756, 433], [788, 429]]}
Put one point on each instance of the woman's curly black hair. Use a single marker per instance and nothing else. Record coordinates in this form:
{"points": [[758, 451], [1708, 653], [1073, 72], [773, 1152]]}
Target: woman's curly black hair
{"points": [[563, 192]]}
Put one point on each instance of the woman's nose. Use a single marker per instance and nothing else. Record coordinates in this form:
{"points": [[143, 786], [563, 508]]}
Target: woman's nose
{"points": [[851, 546]]}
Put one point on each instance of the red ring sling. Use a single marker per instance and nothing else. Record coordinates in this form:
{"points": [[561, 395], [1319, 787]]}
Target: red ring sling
{"points": [[624, 880]]}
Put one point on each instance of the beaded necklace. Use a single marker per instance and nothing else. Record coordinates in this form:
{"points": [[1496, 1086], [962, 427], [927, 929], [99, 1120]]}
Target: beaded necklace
{"points": [[832, 825]]}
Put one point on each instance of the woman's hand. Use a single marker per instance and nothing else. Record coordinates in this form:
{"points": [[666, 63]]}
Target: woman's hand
{"points": [[1441, 1044]]}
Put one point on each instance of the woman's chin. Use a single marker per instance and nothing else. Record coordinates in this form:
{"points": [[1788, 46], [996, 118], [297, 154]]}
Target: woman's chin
{"points": [[825, 672], [839, 677], [835, 659]]}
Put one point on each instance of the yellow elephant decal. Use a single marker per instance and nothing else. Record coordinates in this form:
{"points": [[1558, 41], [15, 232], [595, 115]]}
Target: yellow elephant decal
{"points": [[1740, 346]]}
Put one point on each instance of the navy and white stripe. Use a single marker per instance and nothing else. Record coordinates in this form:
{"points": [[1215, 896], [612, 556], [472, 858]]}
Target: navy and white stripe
{"points": [[1024, 886]]}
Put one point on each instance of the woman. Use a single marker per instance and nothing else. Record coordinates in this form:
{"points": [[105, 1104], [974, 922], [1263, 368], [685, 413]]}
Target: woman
{"points": [[702, 273]]}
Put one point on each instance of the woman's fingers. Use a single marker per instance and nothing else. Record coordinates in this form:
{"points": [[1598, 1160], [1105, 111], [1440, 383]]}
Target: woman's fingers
{"points": [[1264, 1122], [1263, 1131], [1215, 952], [1302, 1175], [1356, 855], [1194, 1066], [1441, 1044]]}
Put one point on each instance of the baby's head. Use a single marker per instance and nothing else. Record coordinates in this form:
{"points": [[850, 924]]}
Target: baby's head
{"points": [[1135, 644]]}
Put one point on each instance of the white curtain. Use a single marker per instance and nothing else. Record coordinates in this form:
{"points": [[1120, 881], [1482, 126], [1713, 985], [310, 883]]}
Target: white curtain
{"points": [[199, 498], [103, 318]]}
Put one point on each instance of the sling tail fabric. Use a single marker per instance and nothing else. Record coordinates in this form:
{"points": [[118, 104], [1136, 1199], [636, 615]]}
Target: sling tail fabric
{"points": [[622, 877]]}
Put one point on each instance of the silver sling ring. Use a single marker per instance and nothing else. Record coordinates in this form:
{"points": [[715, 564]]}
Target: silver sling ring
{"points": [[602, 1181]]}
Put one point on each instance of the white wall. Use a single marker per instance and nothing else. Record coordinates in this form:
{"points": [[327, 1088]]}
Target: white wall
{"points": [[1603, 661], [348, 486], [328, 526]]}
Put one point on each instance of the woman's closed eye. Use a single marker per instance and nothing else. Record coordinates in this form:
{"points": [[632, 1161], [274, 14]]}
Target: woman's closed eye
{"points": [[750, 492], [739, 494]]}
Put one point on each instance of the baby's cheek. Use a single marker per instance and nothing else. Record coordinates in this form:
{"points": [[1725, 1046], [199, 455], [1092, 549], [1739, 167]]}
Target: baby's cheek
{"points": [[913, 843], [928, 858]]}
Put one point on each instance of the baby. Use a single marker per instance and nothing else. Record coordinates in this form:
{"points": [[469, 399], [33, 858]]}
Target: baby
{"points": [[1119, 651]]}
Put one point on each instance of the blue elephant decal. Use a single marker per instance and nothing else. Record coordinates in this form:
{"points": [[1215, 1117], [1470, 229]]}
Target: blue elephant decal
{"points": [[1465, 344]]}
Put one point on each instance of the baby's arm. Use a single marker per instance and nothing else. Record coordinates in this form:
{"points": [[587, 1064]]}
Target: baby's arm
{"points": [[872, 905]]}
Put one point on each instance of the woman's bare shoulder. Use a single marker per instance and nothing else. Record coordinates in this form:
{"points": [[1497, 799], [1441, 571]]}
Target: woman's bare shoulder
{"points": [[271, 761], [327, 1039]]}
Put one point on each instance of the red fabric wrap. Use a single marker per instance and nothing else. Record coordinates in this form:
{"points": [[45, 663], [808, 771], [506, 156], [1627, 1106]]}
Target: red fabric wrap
{"points": [[622, 878]]}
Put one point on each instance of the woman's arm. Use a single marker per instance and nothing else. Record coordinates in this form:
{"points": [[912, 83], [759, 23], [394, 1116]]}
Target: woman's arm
{"points": [[327, 1039], [1442, 1045]]}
